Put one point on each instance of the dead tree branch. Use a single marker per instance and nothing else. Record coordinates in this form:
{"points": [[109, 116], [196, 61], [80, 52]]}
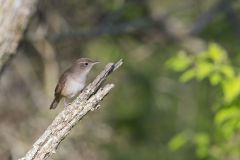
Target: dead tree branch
{"points": [[87, 101], [124, 28], [220, 6], [14, 16], [169, 27]]}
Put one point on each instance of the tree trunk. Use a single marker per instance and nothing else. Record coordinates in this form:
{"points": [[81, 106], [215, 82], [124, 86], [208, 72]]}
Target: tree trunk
{"points": [[14, 17]]}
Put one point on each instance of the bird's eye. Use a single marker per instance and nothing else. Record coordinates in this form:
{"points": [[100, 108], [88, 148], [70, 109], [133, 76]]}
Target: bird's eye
{"points": [[86, 64]]}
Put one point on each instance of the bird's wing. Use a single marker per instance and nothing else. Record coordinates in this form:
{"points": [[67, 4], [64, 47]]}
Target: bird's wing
{"points": [[60, 85]]}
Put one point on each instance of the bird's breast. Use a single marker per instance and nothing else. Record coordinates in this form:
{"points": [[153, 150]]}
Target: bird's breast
{"points": [[72, 87]]}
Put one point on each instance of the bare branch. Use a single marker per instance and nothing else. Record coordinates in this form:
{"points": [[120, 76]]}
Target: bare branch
{"points": [[207, 16], [87, 101], [124, 28], [167, 26], [14, 16]]}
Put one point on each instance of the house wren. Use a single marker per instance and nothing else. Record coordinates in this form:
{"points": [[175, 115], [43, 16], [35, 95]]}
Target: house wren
{"points": [[72, 80]]}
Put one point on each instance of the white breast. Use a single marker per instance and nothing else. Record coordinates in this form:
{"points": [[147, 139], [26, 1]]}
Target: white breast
{"points": [[73, 87]]}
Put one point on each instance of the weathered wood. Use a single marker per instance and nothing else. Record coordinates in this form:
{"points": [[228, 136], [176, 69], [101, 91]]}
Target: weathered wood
{"points": [[87, 101], [14, 17]]}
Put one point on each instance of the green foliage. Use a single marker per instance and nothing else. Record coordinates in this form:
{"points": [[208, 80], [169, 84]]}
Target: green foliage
{"points": [[212, 65], [227, 120], [216, 53], [180, 62], [231, 89], [178, 141], [202, 142]]}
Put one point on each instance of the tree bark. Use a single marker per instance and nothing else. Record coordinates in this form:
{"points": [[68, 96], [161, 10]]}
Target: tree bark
{"points": [[14, 17], [87, 101]]}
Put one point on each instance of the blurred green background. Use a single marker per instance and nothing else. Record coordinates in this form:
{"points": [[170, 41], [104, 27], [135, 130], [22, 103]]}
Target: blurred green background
{"points": [[176, 96]]}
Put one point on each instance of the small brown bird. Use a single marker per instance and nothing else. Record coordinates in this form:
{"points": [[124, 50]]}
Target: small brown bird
{"points": [[72, 80]]}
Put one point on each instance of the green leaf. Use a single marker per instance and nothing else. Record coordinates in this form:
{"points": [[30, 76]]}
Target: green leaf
{"points": [[202, 142], [178, 141], [226, 114], [201, 139], [188, 75], [231, 89], [230, 127], [203, 70], [228, 121], [227, 70], [215, 78], [216, 53], [179, 62]]}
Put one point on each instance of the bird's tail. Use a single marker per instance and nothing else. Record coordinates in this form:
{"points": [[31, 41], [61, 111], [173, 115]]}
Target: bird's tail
{"points": [[54, 103]]}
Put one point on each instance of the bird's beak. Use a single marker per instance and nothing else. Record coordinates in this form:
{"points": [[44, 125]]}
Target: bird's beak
{"points": [[96, 62]]}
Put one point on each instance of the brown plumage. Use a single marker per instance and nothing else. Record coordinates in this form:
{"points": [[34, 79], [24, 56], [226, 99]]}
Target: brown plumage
{"points": [[72, 80], [58, 90]]}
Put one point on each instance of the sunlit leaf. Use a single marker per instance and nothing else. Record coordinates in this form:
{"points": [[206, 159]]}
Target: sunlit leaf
{"points": [[227, 70], [201, 139], [225, 114], [203, 70], [216, 53], [228, 120], [202, 142], [229, 127], [215, 78], [231, 89], [178, 141], [188, 75], [179, 62]]}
